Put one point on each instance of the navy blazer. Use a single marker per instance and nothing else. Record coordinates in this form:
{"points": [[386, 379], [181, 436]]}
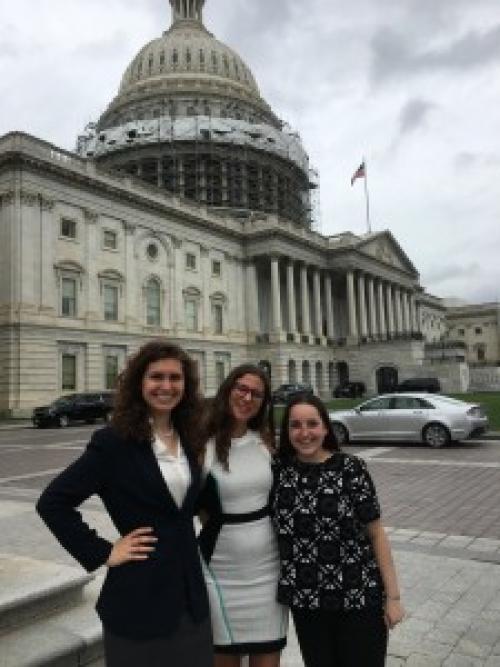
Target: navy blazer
{"points": [[139, 599]]}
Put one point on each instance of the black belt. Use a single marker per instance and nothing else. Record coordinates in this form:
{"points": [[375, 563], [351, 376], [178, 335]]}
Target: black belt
{"points": [[207, 538]]}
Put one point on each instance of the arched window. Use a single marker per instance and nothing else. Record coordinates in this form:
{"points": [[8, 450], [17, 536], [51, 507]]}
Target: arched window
{"points": [[153, 303]]}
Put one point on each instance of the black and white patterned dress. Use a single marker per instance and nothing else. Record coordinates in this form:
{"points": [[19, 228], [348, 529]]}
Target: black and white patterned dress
{"points": [[321, 511]]}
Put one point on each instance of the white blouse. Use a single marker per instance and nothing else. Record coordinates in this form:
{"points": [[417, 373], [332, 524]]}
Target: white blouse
{"points": [[175, 469]]}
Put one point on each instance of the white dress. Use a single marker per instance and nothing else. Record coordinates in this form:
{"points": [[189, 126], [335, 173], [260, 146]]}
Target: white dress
{"points": [[242, 574]]}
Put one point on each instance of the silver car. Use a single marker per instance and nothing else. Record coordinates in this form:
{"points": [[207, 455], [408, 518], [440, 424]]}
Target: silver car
{"points": [[433, 419]]}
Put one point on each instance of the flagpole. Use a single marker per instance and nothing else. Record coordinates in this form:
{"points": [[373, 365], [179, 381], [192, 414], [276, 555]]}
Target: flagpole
{"points": [[367, 199]]}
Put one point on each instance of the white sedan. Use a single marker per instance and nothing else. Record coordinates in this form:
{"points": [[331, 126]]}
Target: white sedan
{"points": [[433, 419]]}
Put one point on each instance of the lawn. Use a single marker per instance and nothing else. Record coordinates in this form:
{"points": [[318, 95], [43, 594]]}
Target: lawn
{"points": [[490, 401]]}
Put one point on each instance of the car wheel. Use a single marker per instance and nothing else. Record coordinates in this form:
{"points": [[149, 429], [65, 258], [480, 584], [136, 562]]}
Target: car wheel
{"points": [[63, 421], [341, 433], [436, 435]]}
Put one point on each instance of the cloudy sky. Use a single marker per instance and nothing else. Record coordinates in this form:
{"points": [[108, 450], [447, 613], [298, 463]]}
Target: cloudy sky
{"points": [[413, 85]]}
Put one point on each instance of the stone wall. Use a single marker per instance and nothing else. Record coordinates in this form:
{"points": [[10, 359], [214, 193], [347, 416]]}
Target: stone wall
{"points": [[485, 378]]}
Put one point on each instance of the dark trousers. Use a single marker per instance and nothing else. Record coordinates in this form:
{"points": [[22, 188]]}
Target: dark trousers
{"points": [[341, 639]]}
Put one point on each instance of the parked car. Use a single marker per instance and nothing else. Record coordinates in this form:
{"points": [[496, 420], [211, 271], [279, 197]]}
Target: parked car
{"points": [[417, 417], [86, 407], [349, 390], [430, 385], [285, 392]]}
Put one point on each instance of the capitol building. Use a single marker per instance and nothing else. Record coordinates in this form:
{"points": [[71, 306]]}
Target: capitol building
{"points": [[186, 212]]}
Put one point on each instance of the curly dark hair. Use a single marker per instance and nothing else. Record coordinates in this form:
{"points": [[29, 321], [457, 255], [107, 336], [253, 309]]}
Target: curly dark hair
{"points": [[131, 415], [286, 452], [220, 421]]}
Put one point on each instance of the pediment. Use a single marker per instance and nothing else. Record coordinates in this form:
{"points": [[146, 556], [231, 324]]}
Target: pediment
{"points": [[384, 247]]}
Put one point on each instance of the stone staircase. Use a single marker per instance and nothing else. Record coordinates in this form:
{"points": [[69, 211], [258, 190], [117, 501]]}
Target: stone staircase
{"points": [[47, 616]]}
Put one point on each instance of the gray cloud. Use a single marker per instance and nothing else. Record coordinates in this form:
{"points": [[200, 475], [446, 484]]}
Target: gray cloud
{"points": [[394, 55], [470, 160], [414, 115]]}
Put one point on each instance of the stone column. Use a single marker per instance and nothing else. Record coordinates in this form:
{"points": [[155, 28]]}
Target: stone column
{"points": [[290, 284], [351, 305], [318, 320], [406, 312], [413, 313], [390, 310], [275, 295], [381, 310], [181, 181], [363, 322], [399, 312], [304, 294], [252, 298], [372, 307], [330, 323]]}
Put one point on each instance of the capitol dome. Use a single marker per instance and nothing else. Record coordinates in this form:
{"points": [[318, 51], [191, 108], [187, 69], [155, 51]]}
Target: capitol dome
{"points": [[197, 73], [189, 118]]}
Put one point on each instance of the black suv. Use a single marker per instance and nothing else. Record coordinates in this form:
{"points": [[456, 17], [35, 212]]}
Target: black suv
{"points": [[349, 390], [430, 385], [85, 407], [285, 392]]}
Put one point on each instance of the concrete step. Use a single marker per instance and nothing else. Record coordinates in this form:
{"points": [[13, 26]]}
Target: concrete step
{"points": [[52, 621], [31, 589]]}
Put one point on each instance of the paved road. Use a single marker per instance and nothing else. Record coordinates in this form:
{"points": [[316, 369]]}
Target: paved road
{"points": [[443, 512]]}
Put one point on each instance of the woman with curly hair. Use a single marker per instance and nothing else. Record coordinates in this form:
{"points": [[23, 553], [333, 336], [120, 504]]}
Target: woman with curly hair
{"points": [[237, 540], [144, 467]]}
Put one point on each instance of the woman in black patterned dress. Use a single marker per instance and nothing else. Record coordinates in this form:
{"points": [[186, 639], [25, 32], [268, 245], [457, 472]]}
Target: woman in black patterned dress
{"points": [[337, 573]]}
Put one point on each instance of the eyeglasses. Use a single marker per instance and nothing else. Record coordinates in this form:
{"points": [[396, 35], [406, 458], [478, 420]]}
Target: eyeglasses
{"points": [[243, 391]]}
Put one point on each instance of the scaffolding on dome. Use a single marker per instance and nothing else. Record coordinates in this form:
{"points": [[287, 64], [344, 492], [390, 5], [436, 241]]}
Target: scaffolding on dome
{"points": [[197, 161]]}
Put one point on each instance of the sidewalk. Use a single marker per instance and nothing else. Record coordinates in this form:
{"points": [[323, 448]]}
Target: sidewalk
{"points": [[452, 601]]}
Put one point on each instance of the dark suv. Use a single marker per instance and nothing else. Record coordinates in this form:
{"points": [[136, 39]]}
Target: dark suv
{"points": [[349, 390], [430, 385], [86, 407], [285, 392]]}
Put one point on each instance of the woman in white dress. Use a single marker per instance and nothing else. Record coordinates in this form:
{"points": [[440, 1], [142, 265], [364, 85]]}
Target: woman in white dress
{"points": [[237, 540]]}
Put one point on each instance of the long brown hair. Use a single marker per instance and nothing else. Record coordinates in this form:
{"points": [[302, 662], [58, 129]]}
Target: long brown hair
{"points": [[131, 414], [220, 421], [286, 452]]}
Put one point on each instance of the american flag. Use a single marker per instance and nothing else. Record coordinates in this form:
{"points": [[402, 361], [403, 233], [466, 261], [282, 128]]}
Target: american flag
{"points": [[359, 173]]}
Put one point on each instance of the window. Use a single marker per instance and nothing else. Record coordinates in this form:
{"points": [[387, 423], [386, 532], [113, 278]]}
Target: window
{"points": [[153, 303], [110, 299], [110, 239], [68, 372], [190, 261], [191, 312], [68, 228], [152, 251], [377, 404], [216, 268], [481, 353], [217, 315], [219, 373], [68, 300], [478, 331], [461, 332], [111, 371]]}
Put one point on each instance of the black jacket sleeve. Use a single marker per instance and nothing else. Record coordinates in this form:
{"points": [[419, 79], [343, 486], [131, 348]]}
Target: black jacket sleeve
{"points": [[57, 505]]}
